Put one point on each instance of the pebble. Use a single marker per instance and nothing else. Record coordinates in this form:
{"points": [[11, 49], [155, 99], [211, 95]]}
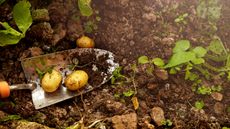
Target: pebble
{"points": [[162, 74], [128, 121], [218, 108], [157, 114], [217, 96], [152, 86]]}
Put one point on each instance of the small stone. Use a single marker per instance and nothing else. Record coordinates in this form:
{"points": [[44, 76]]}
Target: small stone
{"points": [[128, 121], [218, 108], [114, 106], [152, 86], [36, 51], [157, 114], [217, 96], [162, 74], [150, 16]]}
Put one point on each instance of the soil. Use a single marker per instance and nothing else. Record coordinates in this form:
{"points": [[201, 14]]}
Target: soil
{"points": [[129, 29]]}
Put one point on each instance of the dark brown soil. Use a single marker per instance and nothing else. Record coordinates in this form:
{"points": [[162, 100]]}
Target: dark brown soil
{"points": [[129, 29]]}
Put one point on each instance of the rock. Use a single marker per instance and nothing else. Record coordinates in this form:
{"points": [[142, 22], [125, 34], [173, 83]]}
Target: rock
{"points": [[150, 16], [152, 86], [217, 96], [128, 121], [157, 114], [36, 51], [40, 15], [162, 74], [218, 108], [114, 106]]}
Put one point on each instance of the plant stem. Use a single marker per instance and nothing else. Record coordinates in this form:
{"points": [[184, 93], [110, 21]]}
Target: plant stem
{"points": [[216, 58]]}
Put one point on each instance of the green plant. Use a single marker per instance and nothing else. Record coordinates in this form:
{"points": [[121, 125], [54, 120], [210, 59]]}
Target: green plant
{"points": [[181, 18], [209, 9], [23, 20], [2, 1], [10, 118], [199, 104], [128, 93], [85, 7], [225, 128], [167, 122], [204, 90]]}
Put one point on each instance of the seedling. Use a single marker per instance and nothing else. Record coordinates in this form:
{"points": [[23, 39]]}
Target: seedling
{"points": [[23, 20], [167, 122], [199, 104], [204, 90], [181, 18]]}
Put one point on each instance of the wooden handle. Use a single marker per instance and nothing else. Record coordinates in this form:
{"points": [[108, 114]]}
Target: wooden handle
{"points": [[4, 89]]}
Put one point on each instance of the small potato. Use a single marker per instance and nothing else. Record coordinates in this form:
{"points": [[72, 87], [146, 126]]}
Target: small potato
{"points": [[85, 42], [4, 89], [51, 81], [76, 80]]}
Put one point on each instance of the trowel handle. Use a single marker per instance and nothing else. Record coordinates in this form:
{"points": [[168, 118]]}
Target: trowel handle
{"points": [[5, 88], [29, 86]]}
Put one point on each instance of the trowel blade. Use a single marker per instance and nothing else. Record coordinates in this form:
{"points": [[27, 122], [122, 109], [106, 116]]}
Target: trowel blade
{"points": [[63, 61]]}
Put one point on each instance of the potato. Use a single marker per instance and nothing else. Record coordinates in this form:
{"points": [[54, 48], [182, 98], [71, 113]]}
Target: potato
{"points": [[4, 89], [51, 81], [85, 42], [76, 80]]}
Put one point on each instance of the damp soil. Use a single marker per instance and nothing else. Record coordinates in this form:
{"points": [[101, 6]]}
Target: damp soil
{"points": [[129, 29]]}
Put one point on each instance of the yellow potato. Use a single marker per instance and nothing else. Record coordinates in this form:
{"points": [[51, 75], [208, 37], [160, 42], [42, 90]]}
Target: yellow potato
{"points": [[51, 81], [85, 42], [76, 80]]}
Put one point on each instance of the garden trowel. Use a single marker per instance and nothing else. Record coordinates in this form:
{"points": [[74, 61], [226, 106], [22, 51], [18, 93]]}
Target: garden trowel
{"points": [[98, 63]]}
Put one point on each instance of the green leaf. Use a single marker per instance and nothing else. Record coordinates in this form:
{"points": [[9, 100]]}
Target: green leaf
{"points": [[85, 8], [128, 93], [225, 128], [216, 46], [210, 10], [198, 61], [22, 16], [143, 60], [2, 1], [181, 45], [204, 90], [10, 118], [217, 88], [172, 71], [200, 51], [199, 104], [158, 62], [180, 58]]}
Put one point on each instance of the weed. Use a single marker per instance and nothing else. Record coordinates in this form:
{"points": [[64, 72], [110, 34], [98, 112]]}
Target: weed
{"points": [[199, 104], [181, 18], [167, 122], [23, 20]]}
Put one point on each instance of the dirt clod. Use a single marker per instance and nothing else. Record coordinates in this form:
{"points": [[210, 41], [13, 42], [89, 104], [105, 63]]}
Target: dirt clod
{"points": [[157, 114], [218, 108], [217, 96], [128, 121]]}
